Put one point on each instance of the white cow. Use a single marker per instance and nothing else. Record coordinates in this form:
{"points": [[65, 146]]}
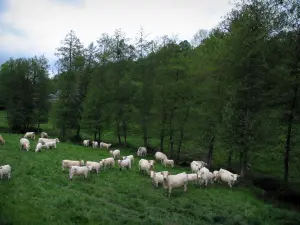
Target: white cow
{"points": [[94, 165], [200, 163], [115, 153], [146, 165], [29, 135], [50, 144], [38, 147], [160, 157], [69, 163], [79, 171], [86, 143], [24, 144], [193, 177], [131, 157], [5, 171], [175, 181], [44, 135], [124, 163], [202, 171], [104, 145], [45, 140], [142, 151], [206, 176], [197, 165], [95, 144], [108, 162], [157, 177], [2, 141], [228, 177], [168, 162], [216, 178]]}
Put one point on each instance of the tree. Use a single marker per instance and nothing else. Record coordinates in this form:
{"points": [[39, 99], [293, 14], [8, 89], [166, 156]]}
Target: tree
{"points": [[96, 112], [250, 28], [88, 63], [24, 86], [186, 95], [71, 62], [145, 96], [42, 89], [212, 94], [199, 37], [289, 43], [160, 96]]}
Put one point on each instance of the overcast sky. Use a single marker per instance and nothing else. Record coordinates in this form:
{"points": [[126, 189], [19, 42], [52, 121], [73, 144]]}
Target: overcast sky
{"points": [[34, 27]]}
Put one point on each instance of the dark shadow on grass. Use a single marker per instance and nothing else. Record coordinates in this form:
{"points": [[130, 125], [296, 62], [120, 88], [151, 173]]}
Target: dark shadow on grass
{"points": [[274, 190], [176, 193]]}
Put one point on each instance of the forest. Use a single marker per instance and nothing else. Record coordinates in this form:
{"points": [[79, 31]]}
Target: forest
{"points": [[229, 97]]}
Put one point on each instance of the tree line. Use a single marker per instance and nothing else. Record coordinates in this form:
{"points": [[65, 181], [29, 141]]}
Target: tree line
{"points": [[234, 87]]}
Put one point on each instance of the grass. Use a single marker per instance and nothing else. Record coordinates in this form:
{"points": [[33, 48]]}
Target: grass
{"points": [[39, 192]]}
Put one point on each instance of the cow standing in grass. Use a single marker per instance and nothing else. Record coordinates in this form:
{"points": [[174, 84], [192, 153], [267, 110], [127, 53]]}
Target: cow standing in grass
{"points": [[2, 141]]}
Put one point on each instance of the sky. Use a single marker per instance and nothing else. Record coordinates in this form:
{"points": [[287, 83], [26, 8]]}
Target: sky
{"points": [[35, 27]]}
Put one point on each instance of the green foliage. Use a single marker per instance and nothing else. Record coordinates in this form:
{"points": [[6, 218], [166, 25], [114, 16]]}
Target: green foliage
{"points": [[24, 89]]}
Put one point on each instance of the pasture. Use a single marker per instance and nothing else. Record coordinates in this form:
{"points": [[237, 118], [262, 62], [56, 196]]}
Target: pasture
{"points": [[39, 192]]}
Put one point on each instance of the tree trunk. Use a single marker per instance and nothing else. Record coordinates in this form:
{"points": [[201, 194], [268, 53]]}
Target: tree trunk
{"points": [[210, 150], [171, 141], [118, 131], [162, 137], [288, 138], [144, 112], [242, 169], [38, 128], [162, 131], [125, 132], [244, 163], [171, 121], [180, 142], [78, 131], [95, 135], [241, 160], [229, 159], [63, 131], [144, 127], [245, 144], [99, 134], [145, 138], [182, 132]]}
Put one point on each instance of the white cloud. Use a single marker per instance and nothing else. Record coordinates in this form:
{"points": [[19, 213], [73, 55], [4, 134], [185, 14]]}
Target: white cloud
{"points": [[46, 22]]}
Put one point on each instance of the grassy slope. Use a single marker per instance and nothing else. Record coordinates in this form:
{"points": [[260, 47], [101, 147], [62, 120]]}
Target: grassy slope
{"points": [[266, 160], [40, 193]]}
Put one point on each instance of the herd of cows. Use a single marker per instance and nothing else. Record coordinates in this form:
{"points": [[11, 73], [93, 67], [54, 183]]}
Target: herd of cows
{"points": [[200, 174]]}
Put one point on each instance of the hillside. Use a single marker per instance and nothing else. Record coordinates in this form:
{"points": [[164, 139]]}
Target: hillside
{"points": [[39, 192]]}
